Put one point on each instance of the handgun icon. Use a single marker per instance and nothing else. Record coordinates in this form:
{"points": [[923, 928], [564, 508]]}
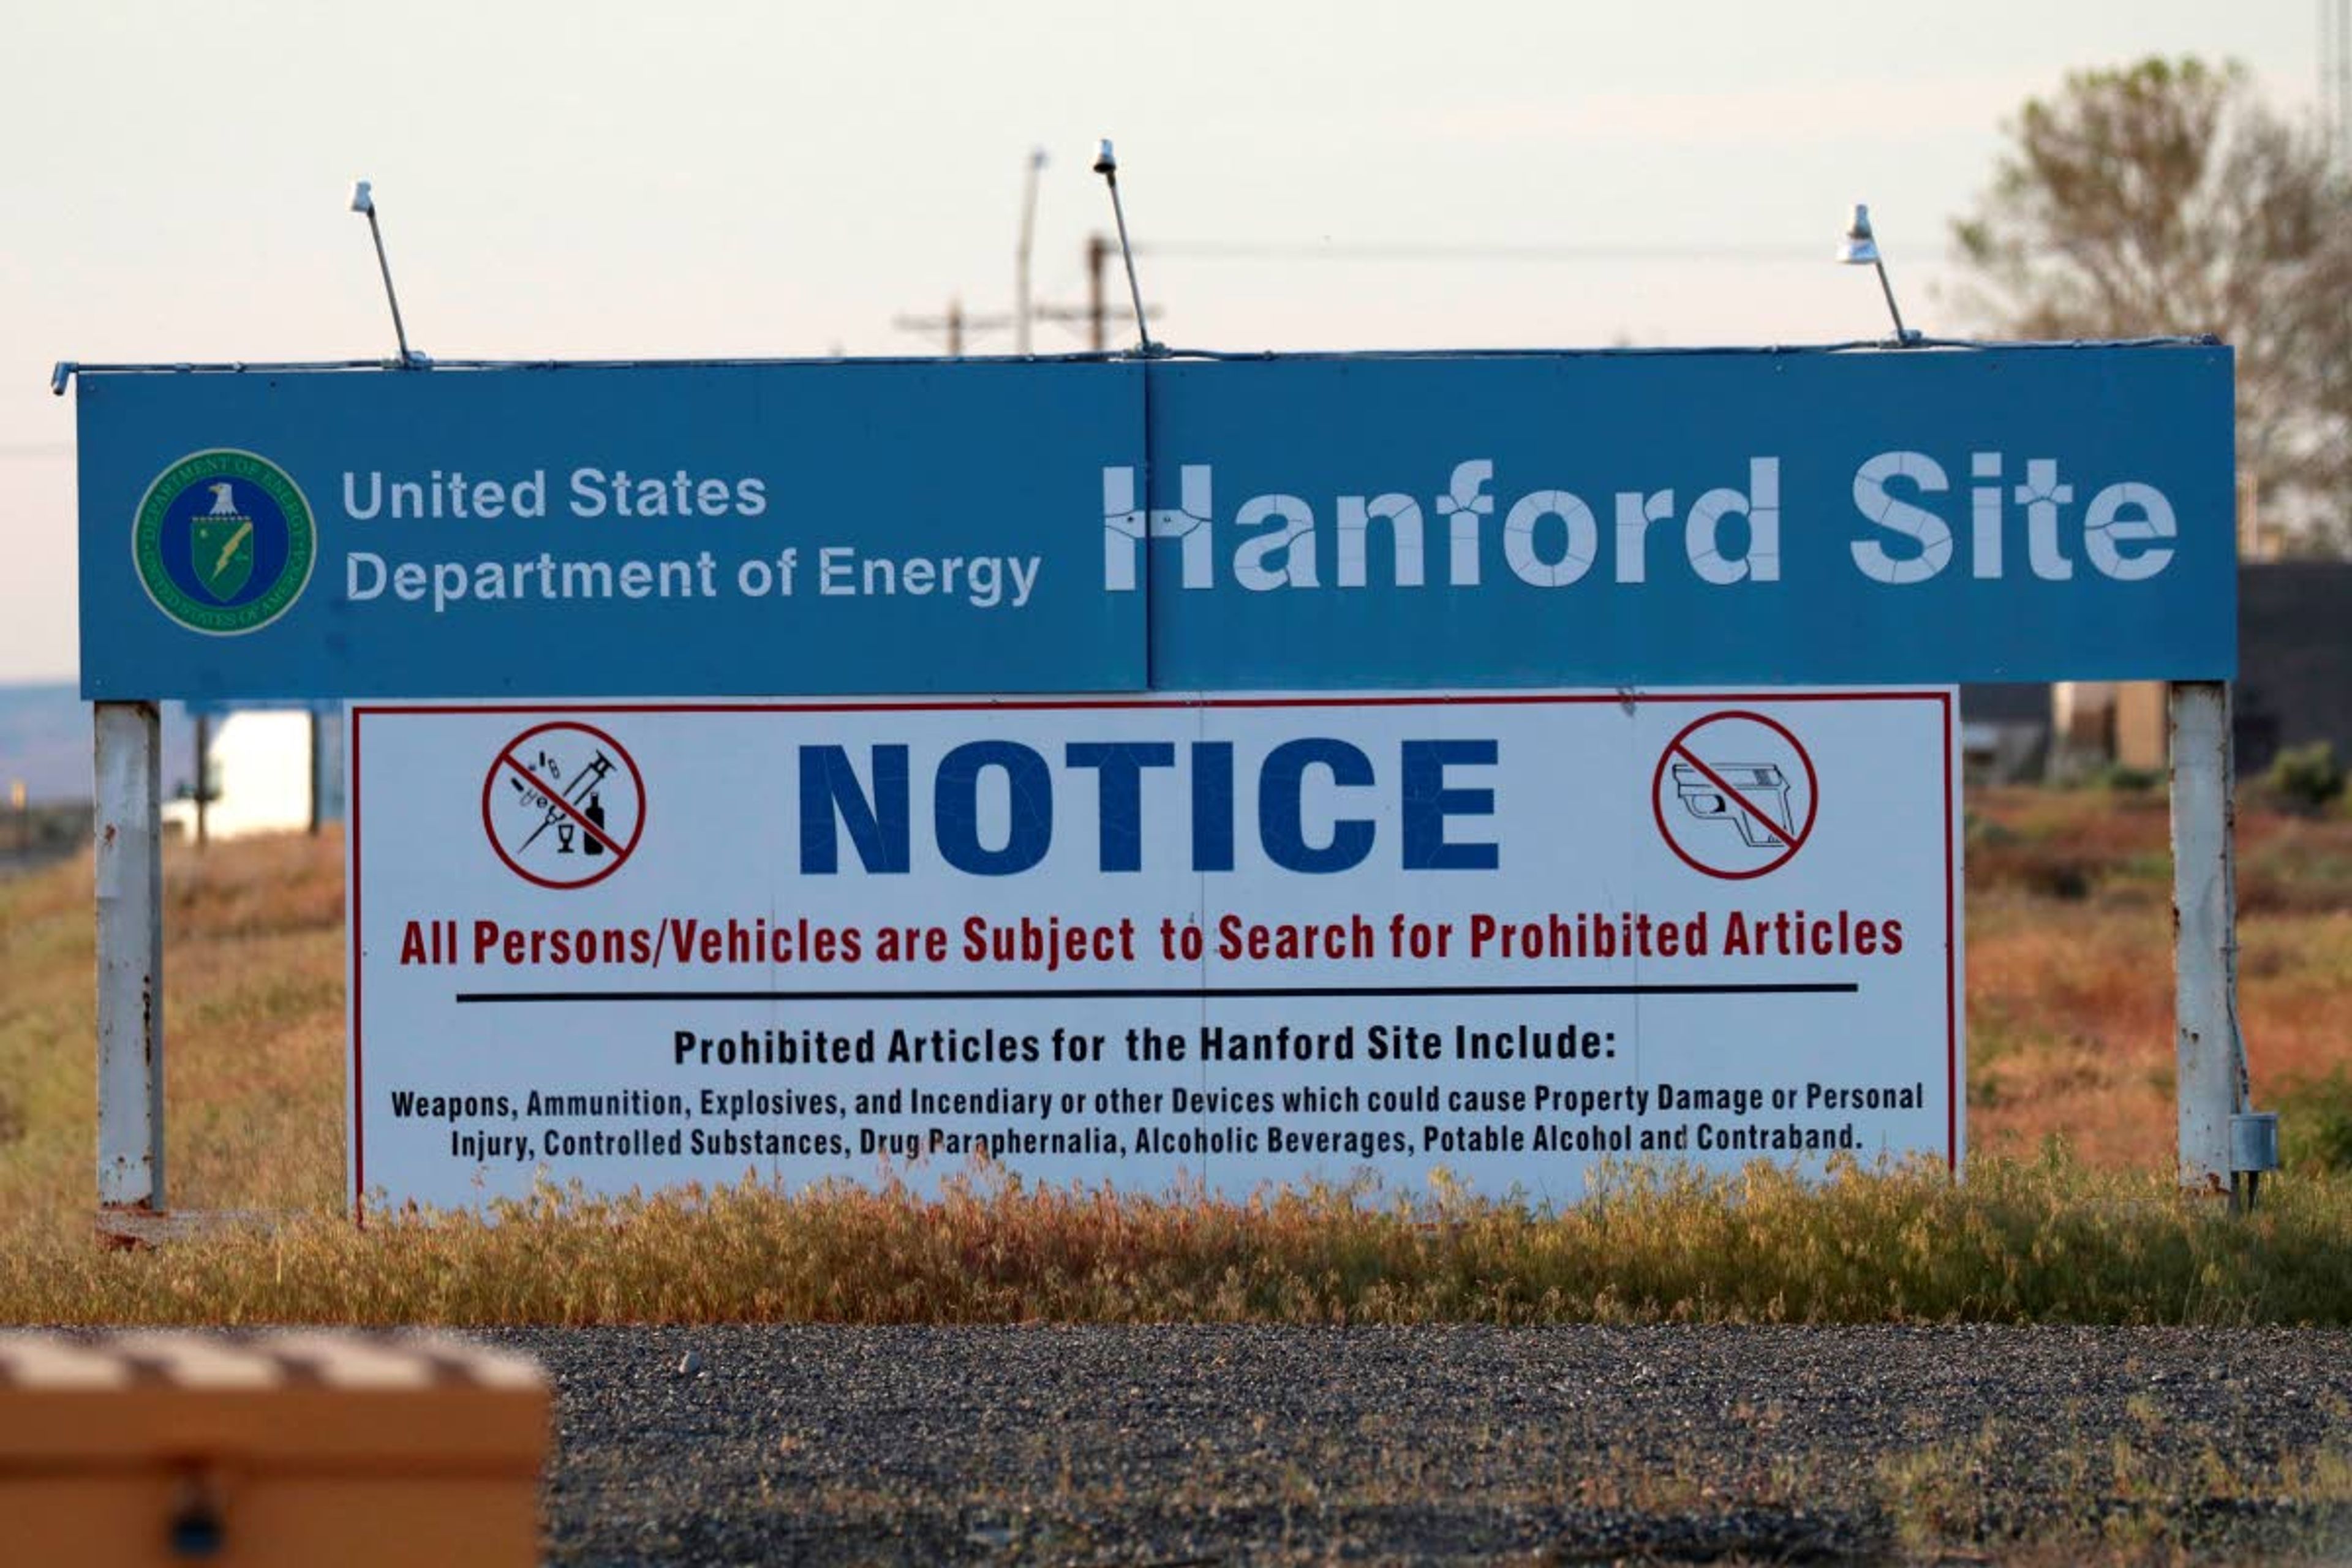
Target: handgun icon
{"points": [[1761, 786]]}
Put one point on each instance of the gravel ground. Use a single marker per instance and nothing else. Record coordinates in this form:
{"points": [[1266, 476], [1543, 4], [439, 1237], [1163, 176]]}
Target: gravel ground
{"points": [[1212, 1445]]}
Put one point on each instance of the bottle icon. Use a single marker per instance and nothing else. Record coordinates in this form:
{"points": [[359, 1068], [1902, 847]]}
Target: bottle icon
{"points": [[595, 815]]}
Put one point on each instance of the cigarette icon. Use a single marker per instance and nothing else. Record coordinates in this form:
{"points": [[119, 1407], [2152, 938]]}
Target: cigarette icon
{"points": [[1762, 786]]}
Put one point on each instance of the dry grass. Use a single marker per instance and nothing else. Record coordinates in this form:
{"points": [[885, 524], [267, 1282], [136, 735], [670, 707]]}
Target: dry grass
{"points": [[2070, 1032], [254, 1016], [2070, 971], [2017, 1243], [2118, 1499]]}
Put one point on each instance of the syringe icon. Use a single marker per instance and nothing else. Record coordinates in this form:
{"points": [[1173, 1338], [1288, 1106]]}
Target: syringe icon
{"points": [[1761, 786], [587, 779]]}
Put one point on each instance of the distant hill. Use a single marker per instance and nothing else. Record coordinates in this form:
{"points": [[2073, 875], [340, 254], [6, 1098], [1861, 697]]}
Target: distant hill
{"points": [[45, 740]]}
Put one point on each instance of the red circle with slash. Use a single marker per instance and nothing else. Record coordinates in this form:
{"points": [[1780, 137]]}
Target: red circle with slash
{"points": [[1736, 809], [539, 803]]}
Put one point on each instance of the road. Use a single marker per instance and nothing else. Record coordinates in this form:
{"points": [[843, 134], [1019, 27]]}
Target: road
{"points": [[1445, 1445]]}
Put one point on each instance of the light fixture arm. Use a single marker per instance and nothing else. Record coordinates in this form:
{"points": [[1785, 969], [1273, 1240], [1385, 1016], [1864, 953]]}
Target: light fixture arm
{"points": [[1902, 332], [1861, 245], [1107, 165], [392, 297], [363, 202]]}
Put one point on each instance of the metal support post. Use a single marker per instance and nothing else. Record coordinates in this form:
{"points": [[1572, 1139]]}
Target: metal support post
{"points": [[128, 847], [2208, 1073], [317, 773], [204, 776]]}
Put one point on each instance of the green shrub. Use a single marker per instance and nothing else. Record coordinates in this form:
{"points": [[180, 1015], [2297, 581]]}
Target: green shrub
{"points": [[1983, 832], [2315, 1124], [2305, 777], [2122, 778]]}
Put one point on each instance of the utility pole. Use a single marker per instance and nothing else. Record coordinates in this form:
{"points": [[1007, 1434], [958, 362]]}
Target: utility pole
{"points": [[1023, 304], [1097, 315], [2336, 76], [1097, 262], [953, 325]]}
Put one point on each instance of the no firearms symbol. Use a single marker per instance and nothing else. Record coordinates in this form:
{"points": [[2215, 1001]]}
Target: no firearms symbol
{"points": [[564, 804], [1735, 794]]}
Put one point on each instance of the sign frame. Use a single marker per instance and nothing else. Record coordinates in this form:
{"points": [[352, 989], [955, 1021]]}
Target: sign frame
{"points": [[1943, 701], [2213, 1101]]}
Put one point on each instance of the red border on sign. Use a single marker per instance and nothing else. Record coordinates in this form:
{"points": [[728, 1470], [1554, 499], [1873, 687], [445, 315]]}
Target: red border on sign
{"points": [[1954, 1090], [1813, 797], [352, 957], [620, 852], [1942, 700]]}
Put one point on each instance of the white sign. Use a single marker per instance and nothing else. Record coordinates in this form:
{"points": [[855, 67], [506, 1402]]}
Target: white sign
{"points": [[1245, 939]]}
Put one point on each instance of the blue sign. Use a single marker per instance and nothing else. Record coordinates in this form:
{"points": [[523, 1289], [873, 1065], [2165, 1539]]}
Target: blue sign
{"points": [[1670, 519], [1617, 519], [627, 531]]}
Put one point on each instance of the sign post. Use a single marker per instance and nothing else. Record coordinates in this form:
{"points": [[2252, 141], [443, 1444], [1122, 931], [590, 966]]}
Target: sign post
{"points": [[2209, 1061], [129, 876]]}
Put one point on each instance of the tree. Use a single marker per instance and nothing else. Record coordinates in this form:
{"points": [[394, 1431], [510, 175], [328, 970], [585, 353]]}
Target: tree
{"points": [[2168, 198]]}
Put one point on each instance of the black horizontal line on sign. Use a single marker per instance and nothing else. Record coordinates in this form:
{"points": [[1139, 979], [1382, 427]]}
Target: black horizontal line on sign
{"points": [[1176, 993]]}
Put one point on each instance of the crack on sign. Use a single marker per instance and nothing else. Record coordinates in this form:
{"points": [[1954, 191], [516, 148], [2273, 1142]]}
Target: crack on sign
{"points": [[1034, 807]]}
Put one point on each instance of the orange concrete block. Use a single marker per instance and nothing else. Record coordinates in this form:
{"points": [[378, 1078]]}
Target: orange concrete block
{"points": [[296, 1448]]}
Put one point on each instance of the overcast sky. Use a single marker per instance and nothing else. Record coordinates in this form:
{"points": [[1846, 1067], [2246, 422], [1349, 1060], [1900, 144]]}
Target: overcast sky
{"points": [[591, 179]]}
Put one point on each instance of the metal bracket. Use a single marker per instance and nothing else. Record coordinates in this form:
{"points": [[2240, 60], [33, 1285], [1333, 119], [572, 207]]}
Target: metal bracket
{"points": [[2253, 1143]]}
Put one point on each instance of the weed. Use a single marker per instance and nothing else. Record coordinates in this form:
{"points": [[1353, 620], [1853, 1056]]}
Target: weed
{"points": [[2049, 1241], [2122, 778], [2306, 778], [2315, 1118]]}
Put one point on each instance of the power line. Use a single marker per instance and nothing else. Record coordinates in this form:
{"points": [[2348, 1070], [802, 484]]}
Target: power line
{"points": [[1318, 250]]}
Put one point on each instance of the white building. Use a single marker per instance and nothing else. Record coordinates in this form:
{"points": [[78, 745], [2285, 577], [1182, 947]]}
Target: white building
{"points": [[258, 773]]}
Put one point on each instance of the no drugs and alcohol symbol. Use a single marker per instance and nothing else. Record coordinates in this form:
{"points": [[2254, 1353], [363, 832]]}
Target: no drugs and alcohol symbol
{"points": [[564, 804]]}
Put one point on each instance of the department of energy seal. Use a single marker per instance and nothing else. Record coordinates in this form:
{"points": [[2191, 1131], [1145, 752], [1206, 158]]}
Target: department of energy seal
{"points": [[224, 542]]}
